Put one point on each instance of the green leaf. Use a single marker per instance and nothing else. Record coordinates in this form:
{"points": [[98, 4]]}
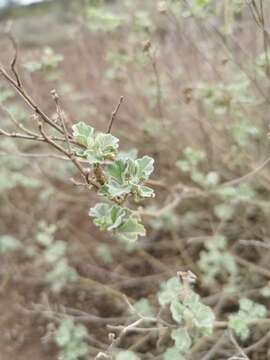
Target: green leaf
{"points": [[240, 326], [79, 332], [212, 179], [99, 146], [115, 189], [192, 312], [63, 334], [145, 167], [224, 211], [122, 221], [182, 340], [82, 133], [145, 192], [116, 170], [131, 230], [249, 312], [127, 155], [177, 310], [144, 307], [169, 291], [60, 275], [117, 215], [55, 251], [107, 217], [203, 318], [125, 176], [105, 147], [69, 337]]}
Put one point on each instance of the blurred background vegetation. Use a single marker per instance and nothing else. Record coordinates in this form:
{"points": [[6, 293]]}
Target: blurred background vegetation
{"points": [[195, 78]]}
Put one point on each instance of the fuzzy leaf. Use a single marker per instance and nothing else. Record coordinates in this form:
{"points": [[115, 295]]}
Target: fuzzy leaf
{"points": [[169, 291], [144, 307], [61, 274], [99, 146], [107, 217], [82, 133], [182, 340], [126, 176], [145, 191], [249, 312], [131, 230], [177, 310], [145, 167], [103, 147], [55, 251]]}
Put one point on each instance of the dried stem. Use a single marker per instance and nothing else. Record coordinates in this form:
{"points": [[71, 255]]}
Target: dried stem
{"points": [[114, 113]]}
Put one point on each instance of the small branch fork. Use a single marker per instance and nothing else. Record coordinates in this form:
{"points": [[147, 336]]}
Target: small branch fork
{"points": [[115, 341]]}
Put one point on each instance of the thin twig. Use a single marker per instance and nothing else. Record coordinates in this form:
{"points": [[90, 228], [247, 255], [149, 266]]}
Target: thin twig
{"points": [[61, 118], [114, 113], [237, 346], [28, 100], [15, 56]]}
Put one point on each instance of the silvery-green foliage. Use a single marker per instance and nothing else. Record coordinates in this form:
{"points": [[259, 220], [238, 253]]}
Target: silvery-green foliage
{"points": [[191, 159], [235, 194], [244, 131], [104, 253], [165, 222], [99, 147], [120, 176], [190, 164], [172, 353], [186, 307], [70, 338], [8, 244], [216, 259], [265, 291], [12, 172], [219, 98], [248, 313], [169, 291], [231, 196], [197, 8], [131, 154], [182, 340], [143, 307], [48, 60], [127, 177], [60, 275], [193, 317], [193, 313], [60, 272], [10, 180], [123, 222], [100, 19]]}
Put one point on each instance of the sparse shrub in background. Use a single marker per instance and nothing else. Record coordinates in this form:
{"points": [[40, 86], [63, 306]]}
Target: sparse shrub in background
{"points": [[70, 337]]}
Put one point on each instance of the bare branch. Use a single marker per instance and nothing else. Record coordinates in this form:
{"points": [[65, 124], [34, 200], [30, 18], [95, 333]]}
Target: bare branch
{"points": [[114, 113]]}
